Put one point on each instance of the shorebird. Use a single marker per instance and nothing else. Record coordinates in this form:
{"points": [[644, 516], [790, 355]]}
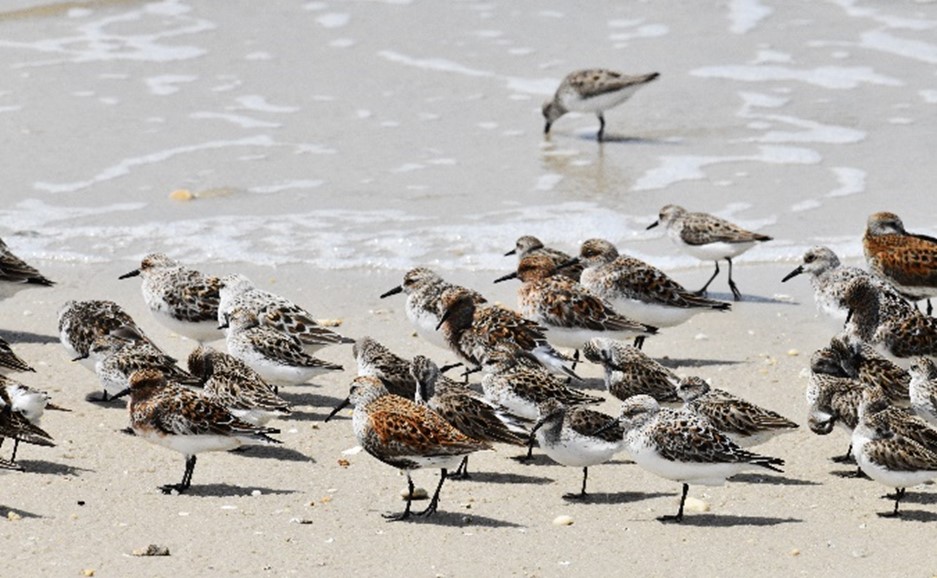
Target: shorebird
{"points": [[237, 292], [530, 245], [743, 422], [15, 425], [182, 299], [629, 371], [406, 435], [16, 274], [278, 357], [593, 90], [577, 437], [638, 290], [10, 362], [82, 322], [923, 388], [829, 279], [30, 404], [905, 260], [684, 448], [571, 313], [424, 290], [707, 238], [180, 419]]}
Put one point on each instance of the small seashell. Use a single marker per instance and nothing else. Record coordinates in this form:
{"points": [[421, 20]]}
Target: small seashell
{"points": [[151, 550], [181, 195], [418, 494], [563, 520], [330, 322], [793, 352], [795, 552], [255, 493], [343, 462], [13, 516], [87, 572]]}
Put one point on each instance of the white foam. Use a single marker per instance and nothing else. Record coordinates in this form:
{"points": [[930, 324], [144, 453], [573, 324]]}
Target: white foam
{"points": [[437, 64], [260, 104], [745, 15], [334, 19], [548, 181], [912, 49], [236, 119], [166, 84], [287, 185], [851, 181], [929, 96], [833, 77]]}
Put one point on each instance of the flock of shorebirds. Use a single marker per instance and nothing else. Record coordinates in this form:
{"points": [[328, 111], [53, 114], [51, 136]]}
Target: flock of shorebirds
{"points": [[410, 415]]}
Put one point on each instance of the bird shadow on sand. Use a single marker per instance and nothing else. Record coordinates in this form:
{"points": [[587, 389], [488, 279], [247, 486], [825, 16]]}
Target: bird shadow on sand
{"points": [[623, 139], [749, 298], [5, 512], [923, 498], [728, 521], [772, 480], [15, 337], [96, 398], [274, 453], [912, 515], [53, 468], [461, 520], [505, 478], [676, 363], [310, 399], [611, 498], [534, 460], [230, 491]]}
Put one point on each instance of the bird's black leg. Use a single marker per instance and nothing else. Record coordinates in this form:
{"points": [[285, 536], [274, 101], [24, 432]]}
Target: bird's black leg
{"points": [[845, 458], [16, 446], [582, 494], [461, 472], [575, 360], [639, 341], [679, 516], [431, 509], [186, 478], [406, 511], [735, 290], [706, 286], [930, 308], [601, 135], [899, 493]]}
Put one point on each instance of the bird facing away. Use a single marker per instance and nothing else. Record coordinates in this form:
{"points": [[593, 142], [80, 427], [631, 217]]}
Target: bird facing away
{"points": [[707, 238], [278, 312], [182, 420], [182, 299], [905, 260], [682, 447], [629, 371], [406, 435], [592, 90]]}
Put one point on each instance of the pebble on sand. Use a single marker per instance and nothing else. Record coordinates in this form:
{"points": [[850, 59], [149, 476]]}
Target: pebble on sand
{"points": [[563, 520], [418, 494]]}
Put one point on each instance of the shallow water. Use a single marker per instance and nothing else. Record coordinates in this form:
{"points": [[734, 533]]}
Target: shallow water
{"points": [[387, 134]]}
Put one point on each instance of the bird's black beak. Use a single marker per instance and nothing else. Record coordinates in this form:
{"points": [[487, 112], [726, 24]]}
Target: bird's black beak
{"points": [[394, 291], [506, 277], [570, 263], [652, 225], [793, 273], [443, 319], [345, 403], [546, 128], [133, 273], [81, 357], [511, 252]]}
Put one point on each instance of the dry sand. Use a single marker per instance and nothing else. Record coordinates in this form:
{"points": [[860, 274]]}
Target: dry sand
{"points": [[87, 504]]}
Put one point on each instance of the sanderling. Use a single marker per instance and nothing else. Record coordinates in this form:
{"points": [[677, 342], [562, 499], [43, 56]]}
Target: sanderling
{"points": [[923, 388], [406, 435], [571, 313], [180, 419], [879, 411], [684, 448], [593, 90], [81, 322], [707, 238], [182, 299], [832, 400], [232, 383], [742, 421], [424, 290], [905, 260], [530, 245], [639, 290], [628, 371], [472, 331], [15, 425], [277, 357], [889, 457], [828, 278], [515, 380], [892, 326], [27, 402], [237, 292], [117, 356], [16, 274], [862, 362], [464, 409], [373, 359], [10, 361], [578, 437]]}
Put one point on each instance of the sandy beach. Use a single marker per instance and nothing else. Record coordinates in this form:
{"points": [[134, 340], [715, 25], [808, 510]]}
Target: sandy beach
{"points": [[323, 148], [89, 502]]}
